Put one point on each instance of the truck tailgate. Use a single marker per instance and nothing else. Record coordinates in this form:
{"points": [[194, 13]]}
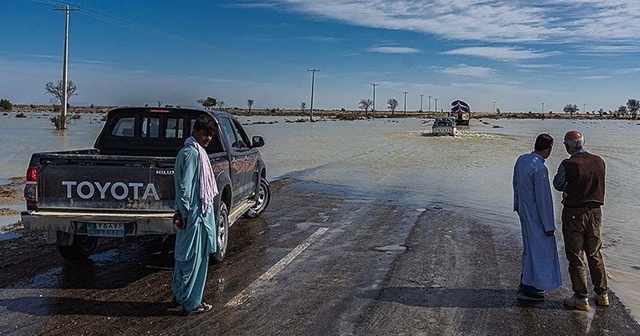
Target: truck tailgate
{"points": [[86, 182]]}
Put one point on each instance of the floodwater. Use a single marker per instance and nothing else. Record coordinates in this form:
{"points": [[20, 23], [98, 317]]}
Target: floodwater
{"points": [[390, 158]]}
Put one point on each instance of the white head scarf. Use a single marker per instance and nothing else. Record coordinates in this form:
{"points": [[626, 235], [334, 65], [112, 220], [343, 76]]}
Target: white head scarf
{"points": [[208, 185]]}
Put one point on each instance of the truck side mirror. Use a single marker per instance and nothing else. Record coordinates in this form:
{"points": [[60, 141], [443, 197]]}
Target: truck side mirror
{"points": [[257, 141]]}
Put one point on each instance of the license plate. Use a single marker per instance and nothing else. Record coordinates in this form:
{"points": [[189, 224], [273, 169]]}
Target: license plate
{"points": [[105, 229]]}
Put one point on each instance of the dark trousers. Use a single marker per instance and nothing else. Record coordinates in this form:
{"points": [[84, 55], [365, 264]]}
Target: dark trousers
{"points": [[581, 231]]}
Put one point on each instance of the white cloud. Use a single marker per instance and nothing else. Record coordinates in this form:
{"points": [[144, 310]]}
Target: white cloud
{"points": [[500, 53], [393, 50], [594, 77], [467, 71], [488, 20]]}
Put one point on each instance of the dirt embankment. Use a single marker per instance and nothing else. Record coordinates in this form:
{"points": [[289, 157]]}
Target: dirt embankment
{"points": [[344, 114], [11, 193]]}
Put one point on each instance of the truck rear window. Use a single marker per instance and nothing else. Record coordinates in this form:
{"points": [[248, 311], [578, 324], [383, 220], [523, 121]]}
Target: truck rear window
{"points": [[124, 127], [175, 128]]}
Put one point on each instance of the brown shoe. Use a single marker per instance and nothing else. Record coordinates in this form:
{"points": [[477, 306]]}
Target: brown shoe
{"points": [[602, 300], [576, 303]]}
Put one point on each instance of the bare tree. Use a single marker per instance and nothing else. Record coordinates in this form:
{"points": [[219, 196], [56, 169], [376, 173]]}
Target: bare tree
{"points": [[303, 107], [250, 104], [160, 102], [57, 91], [392, 103], [633, 105], [622, 110], [571, 109], [221, 104], [365, 104]]}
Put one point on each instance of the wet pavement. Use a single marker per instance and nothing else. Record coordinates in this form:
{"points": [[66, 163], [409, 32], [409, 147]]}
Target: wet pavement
{"points": [[322, 260]]}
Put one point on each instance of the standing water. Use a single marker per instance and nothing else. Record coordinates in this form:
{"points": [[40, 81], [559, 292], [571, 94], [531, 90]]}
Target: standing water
{"points": [[390, 158]]}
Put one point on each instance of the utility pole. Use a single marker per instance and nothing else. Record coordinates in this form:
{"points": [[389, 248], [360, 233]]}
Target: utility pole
{"points": [[494, 107], [405, 101], [65, 61], [429, 103], [374, 96], [421, 102], [542, 108], [584, 108], [313, 80]]}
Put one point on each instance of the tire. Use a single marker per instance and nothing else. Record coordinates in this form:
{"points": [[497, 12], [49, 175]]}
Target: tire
{"points": [[82, 247], [222, 233], [262, 199]]}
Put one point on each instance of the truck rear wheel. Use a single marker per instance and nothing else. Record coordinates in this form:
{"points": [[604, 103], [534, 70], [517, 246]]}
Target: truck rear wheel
{"points": [[262, 199], [222, 232], [82, 247]]}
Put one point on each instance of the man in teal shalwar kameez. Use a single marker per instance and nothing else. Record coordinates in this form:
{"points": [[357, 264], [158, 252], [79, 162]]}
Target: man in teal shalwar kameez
{"points": [[533, 201], [195, 188]]}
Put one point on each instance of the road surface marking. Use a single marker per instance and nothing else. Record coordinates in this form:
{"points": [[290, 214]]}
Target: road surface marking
{"points": [[275, 269]]}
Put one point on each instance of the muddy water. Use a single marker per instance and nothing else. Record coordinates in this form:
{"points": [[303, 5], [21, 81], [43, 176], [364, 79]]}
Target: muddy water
{"points": [[391, 159]]}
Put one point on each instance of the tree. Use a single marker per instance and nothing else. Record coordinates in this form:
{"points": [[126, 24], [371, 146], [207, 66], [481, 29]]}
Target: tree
{"points": [[250, 105], [57, 91], [365, 104], [571, 109], [5, 104], [622, 110], [209, 102], [633, 105], [392, 103], [221, 104], [303, 106]]}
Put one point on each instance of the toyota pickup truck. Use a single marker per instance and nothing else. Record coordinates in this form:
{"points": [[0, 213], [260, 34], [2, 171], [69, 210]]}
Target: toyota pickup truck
{"points": [[123, 186]]}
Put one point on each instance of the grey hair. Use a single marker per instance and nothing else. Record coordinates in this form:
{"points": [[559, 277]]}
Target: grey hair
{"points": [[575, 143]]}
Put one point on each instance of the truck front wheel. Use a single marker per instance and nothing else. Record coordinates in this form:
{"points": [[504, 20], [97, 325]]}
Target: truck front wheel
{"points": [[262, 199], [222, 232], [82, 248]]}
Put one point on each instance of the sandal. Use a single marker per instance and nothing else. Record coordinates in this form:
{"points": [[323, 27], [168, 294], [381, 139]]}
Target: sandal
{"points": [[199, 309]]}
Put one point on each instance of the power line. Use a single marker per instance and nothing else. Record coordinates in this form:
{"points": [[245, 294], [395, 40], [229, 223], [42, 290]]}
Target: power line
{"points": [[374, 96], [405, 101], [313, 80], [65, 61]]}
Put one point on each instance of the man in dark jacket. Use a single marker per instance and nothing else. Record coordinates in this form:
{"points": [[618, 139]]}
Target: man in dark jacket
{"points": [[581, 178]]}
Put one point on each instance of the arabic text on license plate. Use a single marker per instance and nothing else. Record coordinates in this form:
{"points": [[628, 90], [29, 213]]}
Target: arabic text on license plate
{"points": [[105, 229]]}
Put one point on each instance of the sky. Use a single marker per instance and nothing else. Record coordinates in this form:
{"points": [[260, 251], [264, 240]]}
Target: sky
{"points": [[514, 55]]}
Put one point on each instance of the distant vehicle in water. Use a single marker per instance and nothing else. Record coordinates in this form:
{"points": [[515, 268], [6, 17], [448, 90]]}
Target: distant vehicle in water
{"points": [[461, 111], [443, 126]]}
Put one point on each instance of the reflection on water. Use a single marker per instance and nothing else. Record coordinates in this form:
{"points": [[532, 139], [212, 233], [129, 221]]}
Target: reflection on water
{"points": [[391, 159]]}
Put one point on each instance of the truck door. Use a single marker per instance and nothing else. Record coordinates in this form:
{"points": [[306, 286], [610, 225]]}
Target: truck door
{"points": [[250, 155], [237, 160]]}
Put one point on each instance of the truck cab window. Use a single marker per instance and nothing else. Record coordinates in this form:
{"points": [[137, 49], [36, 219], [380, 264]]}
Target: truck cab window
{"points": [[150, 127], [230, 133], [175, 128], [241, 136], [124, 127]]}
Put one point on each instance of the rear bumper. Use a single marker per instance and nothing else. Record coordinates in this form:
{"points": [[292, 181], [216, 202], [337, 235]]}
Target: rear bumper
{"points": [[136, 224]]}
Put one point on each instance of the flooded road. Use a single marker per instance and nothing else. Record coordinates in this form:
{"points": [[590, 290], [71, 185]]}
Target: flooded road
{"points": [[418, 236], [323, 260]]}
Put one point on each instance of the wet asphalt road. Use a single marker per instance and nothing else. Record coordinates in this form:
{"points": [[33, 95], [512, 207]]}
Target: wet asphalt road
{"points": [[320, 261]]}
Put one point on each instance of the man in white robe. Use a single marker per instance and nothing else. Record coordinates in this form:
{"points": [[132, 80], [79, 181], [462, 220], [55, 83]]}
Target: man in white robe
{"points": [[533, 202]]}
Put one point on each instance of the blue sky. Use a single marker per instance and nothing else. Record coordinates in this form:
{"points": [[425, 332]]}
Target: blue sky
{"points": [[518, 54]]}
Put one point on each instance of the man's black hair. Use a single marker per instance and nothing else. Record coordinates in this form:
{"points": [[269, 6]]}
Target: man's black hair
{"points": [[543, 141], [205, 123]]}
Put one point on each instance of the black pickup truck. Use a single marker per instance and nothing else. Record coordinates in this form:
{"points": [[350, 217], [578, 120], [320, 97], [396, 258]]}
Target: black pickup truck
{"points": [[123, 186]]}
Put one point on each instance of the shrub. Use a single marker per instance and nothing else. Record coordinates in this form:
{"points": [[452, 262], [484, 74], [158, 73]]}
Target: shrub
{"points": [[5, 104]]}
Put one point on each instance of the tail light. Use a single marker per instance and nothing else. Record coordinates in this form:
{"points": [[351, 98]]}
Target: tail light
{"points": [[31, 188]]}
